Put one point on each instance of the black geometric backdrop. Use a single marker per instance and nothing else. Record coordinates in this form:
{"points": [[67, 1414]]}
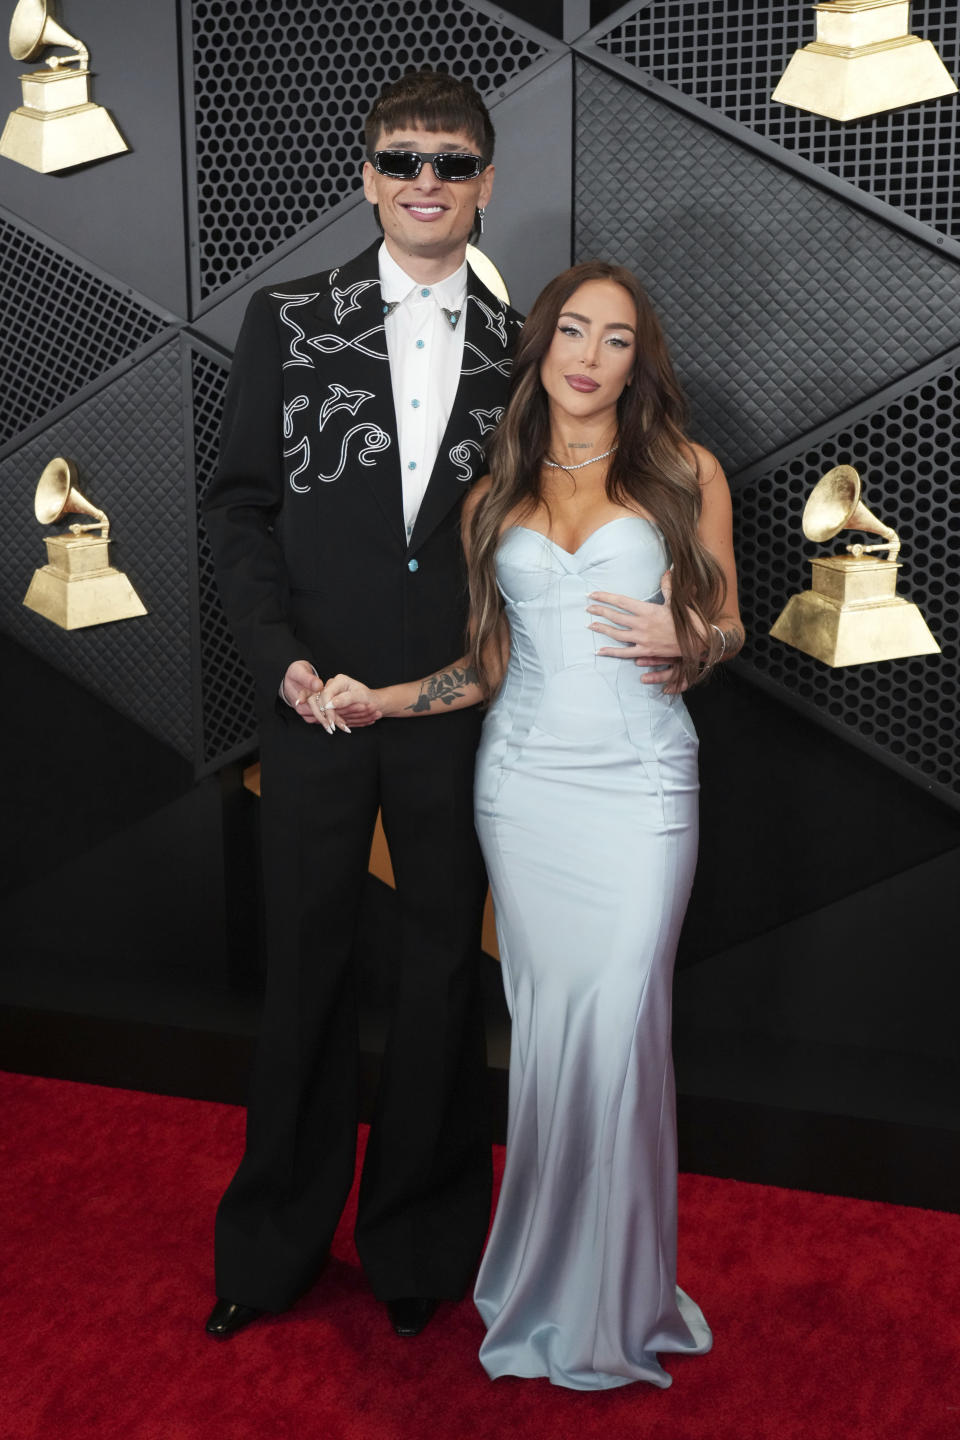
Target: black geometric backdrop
{"points": [[128, 443], [61, 327], [776, 321], [906, 452], [731, 56], [226, 687]]}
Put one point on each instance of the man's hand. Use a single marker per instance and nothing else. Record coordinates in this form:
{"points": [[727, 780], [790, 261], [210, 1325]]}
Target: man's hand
{"points": [[300, 682]]}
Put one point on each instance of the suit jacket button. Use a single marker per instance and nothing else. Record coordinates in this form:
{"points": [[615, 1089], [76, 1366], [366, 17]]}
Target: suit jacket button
{"points": [[413, 565]]}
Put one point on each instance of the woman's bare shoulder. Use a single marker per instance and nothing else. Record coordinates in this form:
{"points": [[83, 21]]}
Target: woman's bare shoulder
{"points": [[704, 462]]}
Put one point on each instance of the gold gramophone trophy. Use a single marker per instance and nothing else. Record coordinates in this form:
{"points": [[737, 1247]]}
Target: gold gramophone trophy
{"points": [[864, 60], [58, 125], [852, 615], [78, 586]]}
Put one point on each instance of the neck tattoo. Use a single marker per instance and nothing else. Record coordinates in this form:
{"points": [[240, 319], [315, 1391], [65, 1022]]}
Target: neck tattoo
{"points": [[555, 464]]}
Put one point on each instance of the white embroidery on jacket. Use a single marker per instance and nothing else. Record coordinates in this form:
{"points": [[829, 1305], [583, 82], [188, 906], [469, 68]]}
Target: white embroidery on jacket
{"points": [[503, 366], [460, 455], [496, 319], [291, 408], [332, 344], [342, 399], [302, 448], [375, 440], [488, 419], [348, 300], [296, 355]]}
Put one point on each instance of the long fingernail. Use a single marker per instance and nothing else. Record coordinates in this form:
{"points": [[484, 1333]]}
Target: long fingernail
{"points": [[346, 729]]}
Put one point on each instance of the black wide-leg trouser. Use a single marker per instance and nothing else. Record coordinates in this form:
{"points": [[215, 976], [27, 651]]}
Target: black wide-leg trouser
{"points": [[425, 1190]]}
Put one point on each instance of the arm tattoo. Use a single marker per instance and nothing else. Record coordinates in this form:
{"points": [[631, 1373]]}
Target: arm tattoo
{"points": [[733, 638], [446, 687]]}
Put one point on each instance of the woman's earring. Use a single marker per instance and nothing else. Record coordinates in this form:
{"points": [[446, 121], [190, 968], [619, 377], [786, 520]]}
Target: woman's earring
{"points": [[481, 216]]}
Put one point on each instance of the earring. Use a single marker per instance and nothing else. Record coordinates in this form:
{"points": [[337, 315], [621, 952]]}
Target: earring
{"points": [[481, 216]]}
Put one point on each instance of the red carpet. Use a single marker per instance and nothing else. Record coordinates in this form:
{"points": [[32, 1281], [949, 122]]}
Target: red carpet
{"points": [[834, 1319]]}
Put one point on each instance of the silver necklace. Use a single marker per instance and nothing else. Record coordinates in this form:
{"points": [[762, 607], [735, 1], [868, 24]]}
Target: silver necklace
{"points": [[555, 464]]}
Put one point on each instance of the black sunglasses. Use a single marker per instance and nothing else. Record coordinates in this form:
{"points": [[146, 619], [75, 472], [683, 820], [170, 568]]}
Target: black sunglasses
{"points": [[407, 164]]}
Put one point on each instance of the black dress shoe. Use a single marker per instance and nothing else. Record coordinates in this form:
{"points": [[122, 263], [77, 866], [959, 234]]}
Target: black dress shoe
{"points": [[226, 1318], [409, 1315]]}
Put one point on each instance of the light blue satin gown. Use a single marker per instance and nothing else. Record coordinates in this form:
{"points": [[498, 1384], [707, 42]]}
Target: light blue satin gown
{"points": [[586, 806]]}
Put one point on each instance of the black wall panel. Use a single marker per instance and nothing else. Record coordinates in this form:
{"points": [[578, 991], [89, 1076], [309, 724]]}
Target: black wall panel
{"points": [[907, 451], [126, 213], [731, 56], [62, 326], [225, 686], [776, 319], [127, 441]]}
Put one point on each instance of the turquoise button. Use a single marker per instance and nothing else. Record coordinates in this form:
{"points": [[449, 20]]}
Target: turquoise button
{"points": [[420, 344], [413, 565], [412, 465], [424, 293], [415, 404]]}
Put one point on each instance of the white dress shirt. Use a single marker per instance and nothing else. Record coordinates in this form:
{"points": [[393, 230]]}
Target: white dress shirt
{"points": [[426, 353]]}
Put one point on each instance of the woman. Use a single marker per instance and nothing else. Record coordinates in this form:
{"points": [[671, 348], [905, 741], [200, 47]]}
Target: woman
{"points": [[586, 807]]}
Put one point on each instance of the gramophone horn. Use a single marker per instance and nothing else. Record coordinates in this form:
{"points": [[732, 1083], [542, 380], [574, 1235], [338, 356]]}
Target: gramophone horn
{"points": [[835, 505], [32, 30], [57, 495]]}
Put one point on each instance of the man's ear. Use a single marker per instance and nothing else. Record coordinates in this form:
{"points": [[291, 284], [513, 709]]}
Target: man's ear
{"points": [[486, 185], [369, 182]]}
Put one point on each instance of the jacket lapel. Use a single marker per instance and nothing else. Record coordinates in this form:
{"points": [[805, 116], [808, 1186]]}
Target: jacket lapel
{"points": [[356, 415], [491, 329]]}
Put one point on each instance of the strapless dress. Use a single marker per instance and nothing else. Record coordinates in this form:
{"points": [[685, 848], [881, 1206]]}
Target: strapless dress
{"points": [[586, 807]]}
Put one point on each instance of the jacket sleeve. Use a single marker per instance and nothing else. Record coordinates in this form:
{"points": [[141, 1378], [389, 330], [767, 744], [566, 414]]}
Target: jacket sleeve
{"points": [[244, 500]]}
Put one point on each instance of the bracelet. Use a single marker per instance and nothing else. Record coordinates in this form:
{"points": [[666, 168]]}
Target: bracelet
{"points": [[723, 643]]}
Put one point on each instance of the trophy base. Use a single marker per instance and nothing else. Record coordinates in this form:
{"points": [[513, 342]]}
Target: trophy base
{"points": [[846, 84], [62, 139], [76, 601], [839, 635]]}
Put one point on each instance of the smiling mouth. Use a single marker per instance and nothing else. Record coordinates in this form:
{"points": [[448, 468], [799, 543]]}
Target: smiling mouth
{"points": [[425, 212], [581, 382]]}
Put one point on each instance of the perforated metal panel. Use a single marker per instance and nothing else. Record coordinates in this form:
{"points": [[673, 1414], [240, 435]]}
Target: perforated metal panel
{"points": [[60, 328], [226, 685], [730, 54], [127, 441], [908, 455], [776, 320], [282, 91]]}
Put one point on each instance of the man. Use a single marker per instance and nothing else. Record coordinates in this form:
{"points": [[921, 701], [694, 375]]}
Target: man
{"points": [[355, 420]]}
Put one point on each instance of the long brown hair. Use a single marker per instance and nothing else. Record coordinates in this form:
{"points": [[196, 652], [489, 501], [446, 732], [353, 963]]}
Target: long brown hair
{"points": [[653, 468]]}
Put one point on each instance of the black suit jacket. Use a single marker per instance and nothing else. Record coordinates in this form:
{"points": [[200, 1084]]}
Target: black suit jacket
{"points": [[305, 513]]}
